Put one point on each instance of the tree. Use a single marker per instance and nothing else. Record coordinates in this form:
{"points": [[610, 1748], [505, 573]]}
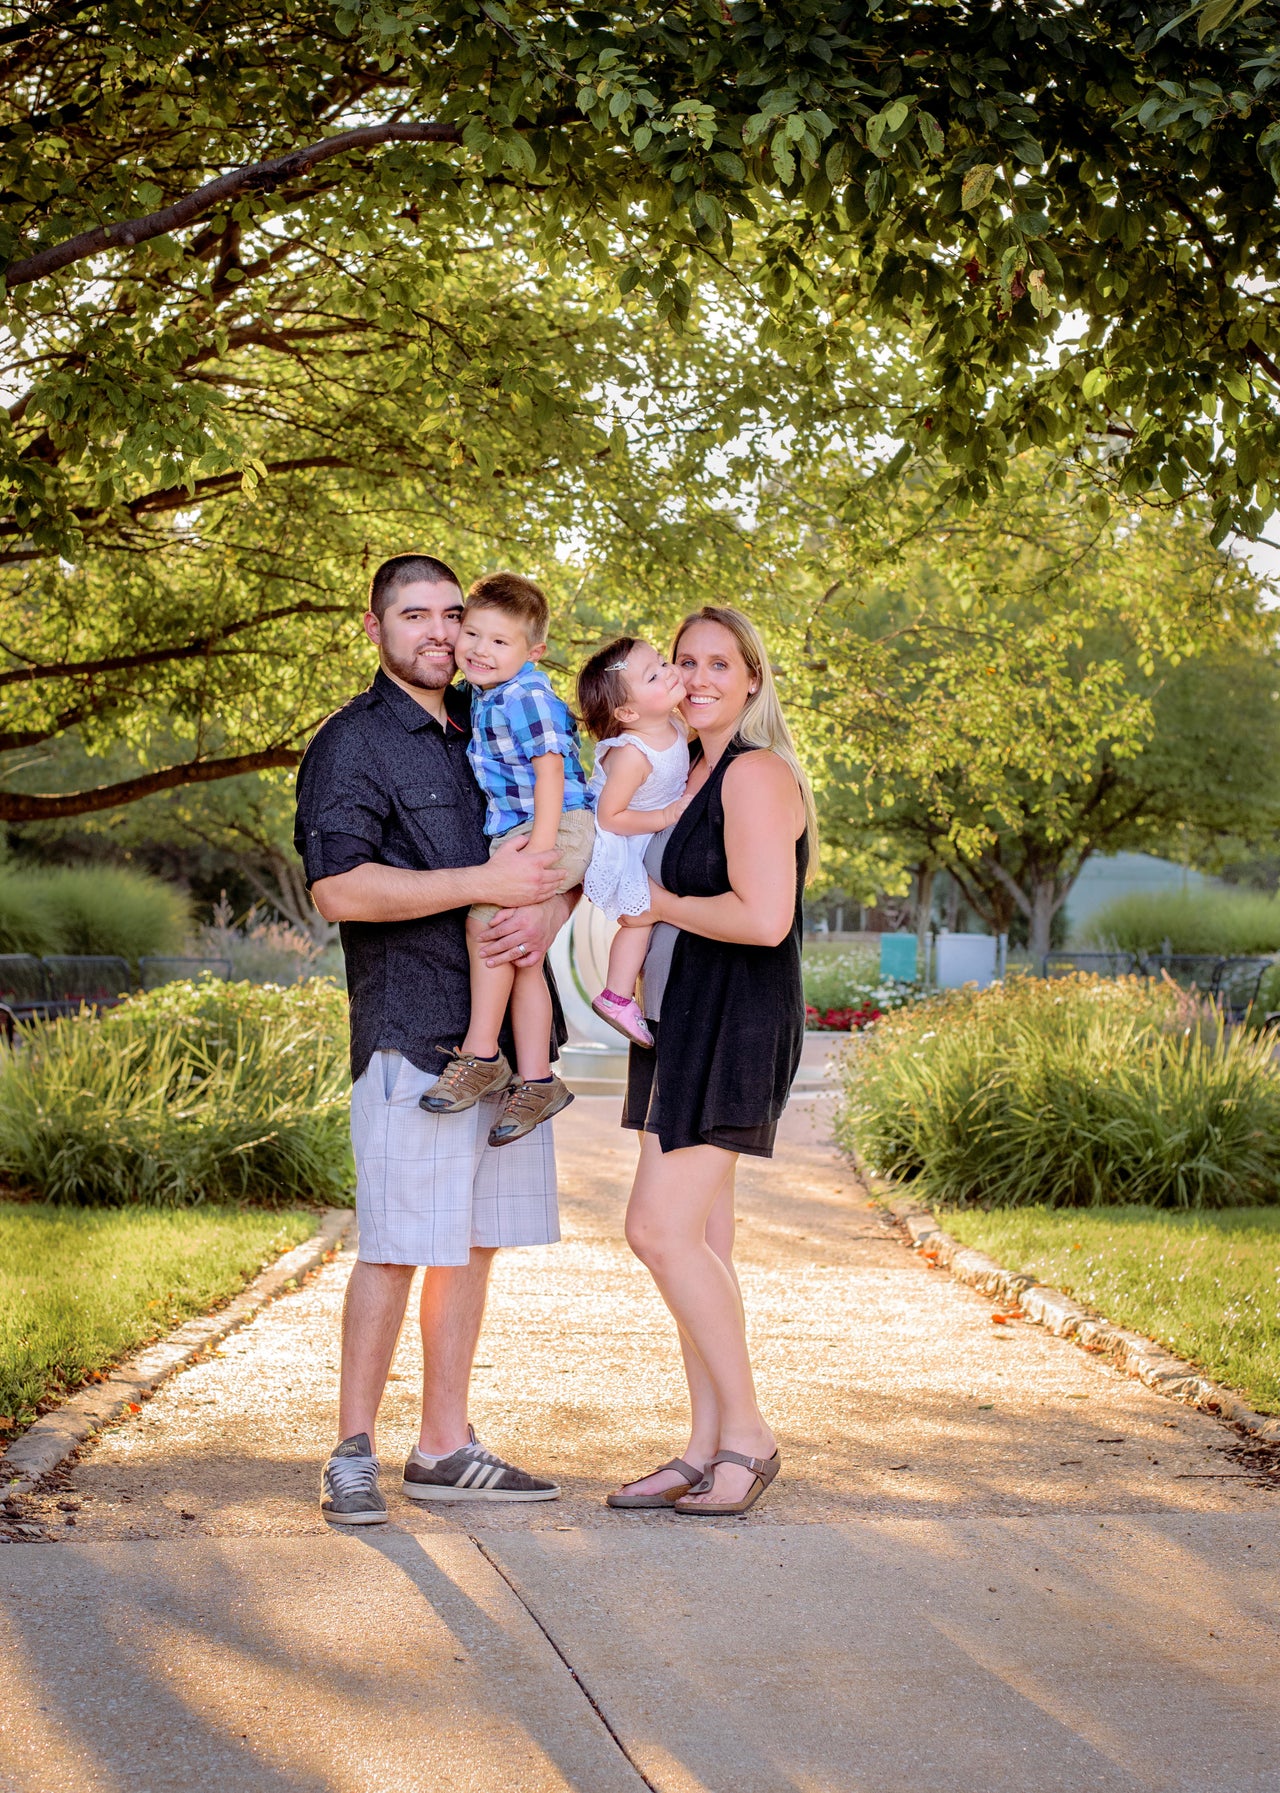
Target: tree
{"points": [[212, 636], [1007, 693], [970, 174]]}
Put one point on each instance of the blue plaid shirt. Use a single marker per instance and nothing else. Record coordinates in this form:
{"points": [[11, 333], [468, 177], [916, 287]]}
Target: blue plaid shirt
{"points": [[511, 725]]}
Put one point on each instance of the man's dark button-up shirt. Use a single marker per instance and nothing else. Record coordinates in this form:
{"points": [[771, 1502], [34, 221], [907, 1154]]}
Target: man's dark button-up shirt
{"points": [[383, 782]]}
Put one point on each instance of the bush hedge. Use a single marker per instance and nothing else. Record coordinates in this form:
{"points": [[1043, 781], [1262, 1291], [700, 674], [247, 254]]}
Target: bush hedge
{"points": [[108, 909], [1192, 921], [194, 1092], [1067, 1093]]}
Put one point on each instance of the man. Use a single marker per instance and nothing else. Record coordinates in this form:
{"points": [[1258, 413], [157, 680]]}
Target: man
{"points": [[390, 829]]}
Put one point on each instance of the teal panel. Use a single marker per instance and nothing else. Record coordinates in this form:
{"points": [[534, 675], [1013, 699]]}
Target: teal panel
{"points": [[898, 956]]}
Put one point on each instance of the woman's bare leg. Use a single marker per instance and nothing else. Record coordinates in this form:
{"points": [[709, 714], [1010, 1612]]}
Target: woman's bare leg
{"points": [[704, 1430], [672, 1201]]}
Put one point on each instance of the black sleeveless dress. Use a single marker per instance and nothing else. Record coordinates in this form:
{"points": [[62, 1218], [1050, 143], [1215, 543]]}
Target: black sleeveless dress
{"points": [[727, 1046]]}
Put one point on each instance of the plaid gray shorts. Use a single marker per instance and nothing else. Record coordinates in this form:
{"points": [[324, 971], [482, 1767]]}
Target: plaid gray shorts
{"points": [[430, 1186]]}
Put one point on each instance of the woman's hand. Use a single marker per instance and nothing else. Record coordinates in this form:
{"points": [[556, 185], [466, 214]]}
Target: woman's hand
{"points": [[653, 913]]}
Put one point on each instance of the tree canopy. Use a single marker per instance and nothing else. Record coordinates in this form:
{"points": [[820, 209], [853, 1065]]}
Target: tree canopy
{"points": [[1003, 694], [972, 173], [286, 284]]}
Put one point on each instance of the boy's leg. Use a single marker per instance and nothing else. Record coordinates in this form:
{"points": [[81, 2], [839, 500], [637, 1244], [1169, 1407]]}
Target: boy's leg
{"points": [[531, 1022], [537, 1094], [477, 1068], [491, 990]]}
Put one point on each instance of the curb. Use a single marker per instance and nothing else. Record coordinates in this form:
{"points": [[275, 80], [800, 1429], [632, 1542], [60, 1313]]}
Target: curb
{"points": [[1050, 1308], [52, 1439]]}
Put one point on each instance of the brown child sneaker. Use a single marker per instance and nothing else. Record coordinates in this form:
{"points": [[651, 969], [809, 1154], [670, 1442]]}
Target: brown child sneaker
{"points": [[526, 1106], [463, 1081]]}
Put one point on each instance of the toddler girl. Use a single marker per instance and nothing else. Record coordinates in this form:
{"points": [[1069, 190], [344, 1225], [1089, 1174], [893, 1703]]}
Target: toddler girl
{"points": [[628, 696]]}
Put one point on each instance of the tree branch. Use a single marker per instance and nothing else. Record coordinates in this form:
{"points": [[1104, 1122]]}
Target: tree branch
{"points": [[1009, 882], [256, 177], [17, 806], [189, 650]]}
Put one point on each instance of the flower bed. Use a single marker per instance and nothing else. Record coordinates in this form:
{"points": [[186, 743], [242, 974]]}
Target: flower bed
{"points": [[844, 992]]}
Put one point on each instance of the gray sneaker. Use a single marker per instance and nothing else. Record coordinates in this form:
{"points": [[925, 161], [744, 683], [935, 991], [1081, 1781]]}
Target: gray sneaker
{"points": [[471, 1473], [349, 1493]]}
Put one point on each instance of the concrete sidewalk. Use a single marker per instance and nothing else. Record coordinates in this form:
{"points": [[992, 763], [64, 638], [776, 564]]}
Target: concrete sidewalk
{"points": [[989, 1558]]}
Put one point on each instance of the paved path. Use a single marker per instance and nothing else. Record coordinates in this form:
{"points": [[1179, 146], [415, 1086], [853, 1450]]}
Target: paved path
{"points": [[990, 1559]]}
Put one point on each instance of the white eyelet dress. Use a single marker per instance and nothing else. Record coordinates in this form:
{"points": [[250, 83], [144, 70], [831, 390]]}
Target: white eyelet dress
{"points": [[616, 880]]}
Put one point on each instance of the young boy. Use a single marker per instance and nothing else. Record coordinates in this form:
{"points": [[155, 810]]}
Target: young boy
{"points": [[524, 753]]}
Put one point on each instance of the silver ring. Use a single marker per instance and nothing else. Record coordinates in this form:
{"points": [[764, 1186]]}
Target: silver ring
{"points": [[522, 949]]}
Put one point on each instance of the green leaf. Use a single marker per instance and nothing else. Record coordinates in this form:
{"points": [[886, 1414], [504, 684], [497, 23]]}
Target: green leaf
{"points": [[1214, 14], [978, 183], [931, 131]]}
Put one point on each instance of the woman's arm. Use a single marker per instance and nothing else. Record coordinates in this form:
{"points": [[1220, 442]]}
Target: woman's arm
{"points": [[626, 772], [763, 818]]}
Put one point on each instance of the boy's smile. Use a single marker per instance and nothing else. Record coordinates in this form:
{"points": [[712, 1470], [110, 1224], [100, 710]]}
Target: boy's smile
{"points": [[493, 647]]}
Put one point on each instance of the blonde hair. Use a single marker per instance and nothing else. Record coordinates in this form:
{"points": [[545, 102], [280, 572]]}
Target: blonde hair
{"points": [[762, 723]]}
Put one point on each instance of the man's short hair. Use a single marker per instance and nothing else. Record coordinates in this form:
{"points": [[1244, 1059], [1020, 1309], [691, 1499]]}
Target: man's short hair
{"points": [[514, 596], [407, 569]]}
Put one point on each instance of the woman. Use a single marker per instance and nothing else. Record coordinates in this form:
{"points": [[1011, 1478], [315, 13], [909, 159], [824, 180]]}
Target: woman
{"points": [[724, 996]]}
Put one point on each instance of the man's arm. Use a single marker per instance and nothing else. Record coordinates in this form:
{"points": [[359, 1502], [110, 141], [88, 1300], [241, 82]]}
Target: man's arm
{"points": [[513, 878]]}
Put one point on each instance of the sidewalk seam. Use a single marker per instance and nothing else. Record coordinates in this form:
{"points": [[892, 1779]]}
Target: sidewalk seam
{"points": [[58, 1434], [586, 1692], [1142, 1357]]}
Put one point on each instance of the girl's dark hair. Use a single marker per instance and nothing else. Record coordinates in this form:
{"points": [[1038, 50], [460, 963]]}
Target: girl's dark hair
{"points": [[602, 687]]}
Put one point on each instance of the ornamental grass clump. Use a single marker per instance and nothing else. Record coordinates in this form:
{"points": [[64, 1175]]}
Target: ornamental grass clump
{"points": [[1067, 1093], [194, 1092]]}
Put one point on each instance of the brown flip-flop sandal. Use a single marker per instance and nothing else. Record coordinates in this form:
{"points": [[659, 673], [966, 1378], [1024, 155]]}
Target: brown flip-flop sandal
{"points": [[765, 1469], [654, 1502]]}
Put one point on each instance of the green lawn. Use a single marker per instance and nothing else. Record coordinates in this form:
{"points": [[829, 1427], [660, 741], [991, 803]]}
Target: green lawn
{"points": [[1206, 1284], [82, 1287]]}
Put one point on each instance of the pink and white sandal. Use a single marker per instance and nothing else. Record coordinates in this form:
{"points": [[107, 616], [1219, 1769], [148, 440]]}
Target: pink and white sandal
{"points": [[624, 1013]]}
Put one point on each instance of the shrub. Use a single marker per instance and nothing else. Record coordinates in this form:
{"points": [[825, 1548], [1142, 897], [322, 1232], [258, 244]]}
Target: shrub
{"points": [[194, 1092], [108, 909], [25, 926], [1065, 1093], [1192, 921], [260, 949]]}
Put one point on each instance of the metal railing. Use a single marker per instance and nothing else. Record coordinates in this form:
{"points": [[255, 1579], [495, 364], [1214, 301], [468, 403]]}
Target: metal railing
{"points": [[34, 988], [1231, 981]]}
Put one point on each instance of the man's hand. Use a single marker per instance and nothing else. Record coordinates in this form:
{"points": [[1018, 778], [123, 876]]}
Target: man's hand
{"points": [[517, 876], [523, 936]]}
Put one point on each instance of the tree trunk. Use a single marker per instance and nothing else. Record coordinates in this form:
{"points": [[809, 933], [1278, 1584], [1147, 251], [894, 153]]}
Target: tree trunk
{"points": [[926, 872], [1045, 903]]}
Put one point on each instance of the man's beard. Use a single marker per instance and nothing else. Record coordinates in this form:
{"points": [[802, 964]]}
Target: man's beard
{"points": [[422, 677]]}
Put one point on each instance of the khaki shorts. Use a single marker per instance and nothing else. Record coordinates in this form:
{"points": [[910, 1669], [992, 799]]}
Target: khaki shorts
{"points": [[575, 838]]}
